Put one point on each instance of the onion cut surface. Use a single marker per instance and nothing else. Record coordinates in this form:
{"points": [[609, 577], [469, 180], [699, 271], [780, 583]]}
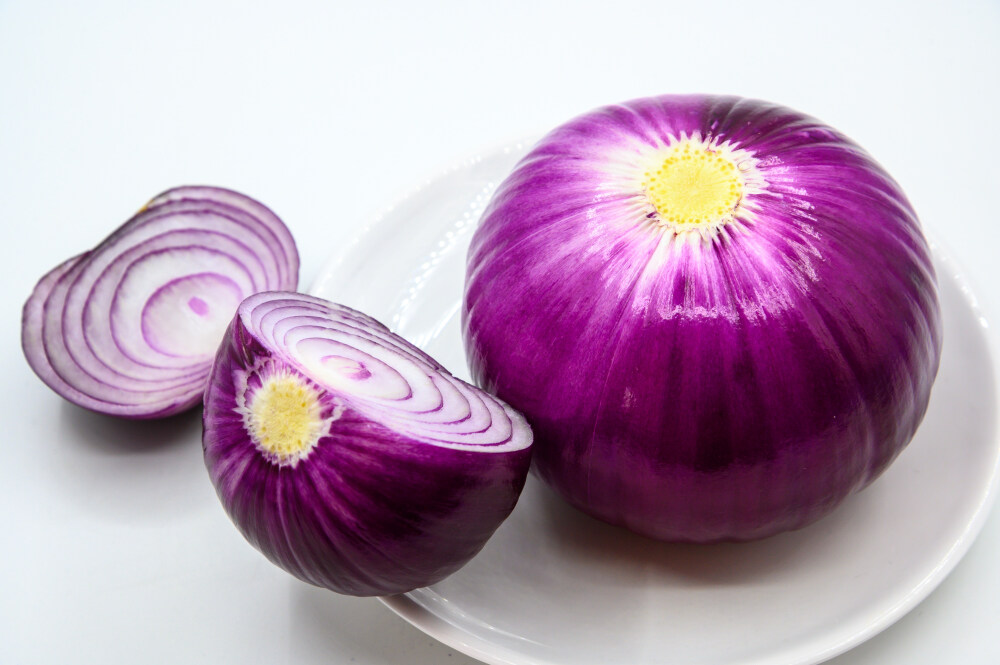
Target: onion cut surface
{"points": [[349, 457], [130, 328], [719, 315]]}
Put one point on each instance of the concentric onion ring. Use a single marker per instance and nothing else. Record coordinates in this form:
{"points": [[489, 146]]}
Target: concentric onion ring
{"points": [[348, 456], [130, 328]]}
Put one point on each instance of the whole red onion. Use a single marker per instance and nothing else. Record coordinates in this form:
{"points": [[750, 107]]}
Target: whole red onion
{"points": [[719, 315]]}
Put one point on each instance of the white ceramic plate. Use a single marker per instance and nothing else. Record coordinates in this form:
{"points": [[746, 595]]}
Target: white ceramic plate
{"points": [[554, 586]]}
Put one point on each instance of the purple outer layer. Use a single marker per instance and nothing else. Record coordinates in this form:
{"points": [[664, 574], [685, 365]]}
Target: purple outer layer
{"points": [[67, 329], [370, 510], [739, 388]]}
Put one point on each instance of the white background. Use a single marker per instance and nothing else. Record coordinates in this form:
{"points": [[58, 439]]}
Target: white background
{"points": [[113, 548]]}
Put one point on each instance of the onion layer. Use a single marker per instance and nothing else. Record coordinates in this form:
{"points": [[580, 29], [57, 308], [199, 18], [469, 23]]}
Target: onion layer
{"points": [[130, 328], [719, 315], [349, 457]]}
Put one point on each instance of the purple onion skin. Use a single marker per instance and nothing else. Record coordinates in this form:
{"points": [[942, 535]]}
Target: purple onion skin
{"points": [[724, 390], [370, 511]]}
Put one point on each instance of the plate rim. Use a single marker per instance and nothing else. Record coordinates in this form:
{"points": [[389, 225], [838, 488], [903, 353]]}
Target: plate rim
{"points": [[492, 653]]}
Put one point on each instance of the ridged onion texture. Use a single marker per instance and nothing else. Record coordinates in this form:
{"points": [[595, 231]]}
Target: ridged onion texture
{"points": [[130, 328], [719, 315], [348, 456]]}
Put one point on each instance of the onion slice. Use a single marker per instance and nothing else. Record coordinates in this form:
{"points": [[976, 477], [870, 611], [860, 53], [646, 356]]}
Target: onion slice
{"points": [[349, 457], [130, 327]]}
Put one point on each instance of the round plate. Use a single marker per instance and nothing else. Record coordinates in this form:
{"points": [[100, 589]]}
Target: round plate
{"points": [[554, 586]]}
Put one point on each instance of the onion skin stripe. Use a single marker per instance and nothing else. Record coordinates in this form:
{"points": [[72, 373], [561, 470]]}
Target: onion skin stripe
{"points": [[372, 508], [172, 236]]}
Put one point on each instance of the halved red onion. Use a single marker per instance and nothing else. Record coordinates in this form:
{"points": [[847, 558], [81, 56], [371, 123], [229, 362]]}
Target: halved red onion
{"points": [[719, 315], [348, 456], [130, 328]]}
